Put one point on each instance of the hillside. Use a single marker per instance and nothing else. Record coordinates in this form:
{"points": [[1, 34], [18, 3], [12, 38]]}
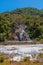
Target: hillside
{"points": [[31, 17]]}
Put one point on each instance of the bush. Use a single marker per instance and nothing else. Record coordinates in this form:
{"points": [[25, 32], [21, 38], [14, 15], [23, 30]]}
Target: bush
{"points": [[26, 59], [1, 59]]}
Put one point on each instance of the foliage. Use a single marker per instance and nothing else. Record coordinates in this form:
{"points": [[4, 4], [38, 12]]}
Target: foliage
{"points": [[1, 59], [31, 17]]}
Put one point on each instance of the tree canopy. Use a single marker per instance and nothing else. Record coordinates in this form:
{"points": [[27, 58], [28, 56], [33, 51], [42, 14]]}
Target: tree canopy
{"points": [[31, 17]]}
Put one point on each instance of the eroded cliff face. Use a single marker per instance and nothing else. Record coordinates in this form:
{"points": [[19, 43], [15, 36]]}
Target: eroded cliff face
{"points": [[20, 33]]}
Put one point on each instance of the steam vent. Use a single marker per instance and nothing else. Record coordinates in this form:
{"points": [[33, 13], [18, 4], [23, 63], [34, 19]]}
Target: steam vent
{"points": [[21, 33]]}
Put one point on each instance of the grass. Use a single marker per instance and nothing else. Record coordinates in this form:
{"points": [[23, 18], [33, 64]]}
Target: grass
{"points": [[26, 61], [20, 63]]}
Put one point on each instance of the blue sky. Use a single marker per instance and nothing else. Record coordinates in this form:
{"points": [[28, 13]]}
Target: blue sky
{"points": [[8, 5]]}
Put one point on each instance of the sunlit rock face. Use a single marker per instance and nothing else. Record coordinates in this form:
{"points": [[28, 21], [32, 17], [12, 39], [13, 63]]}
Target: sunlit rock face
{"points": [[21, 33]]}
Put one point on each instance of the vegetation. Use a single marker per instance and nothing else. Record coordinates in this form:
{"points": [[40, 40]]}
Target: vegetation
{"points": [[31, 17], [1, 59], [25, 62]]}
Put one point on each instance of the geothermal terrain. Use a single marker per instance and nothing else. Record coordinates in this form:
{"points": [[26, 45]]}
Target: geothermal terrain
{"points": [[19, 31], [19, 52], [21, 49]]}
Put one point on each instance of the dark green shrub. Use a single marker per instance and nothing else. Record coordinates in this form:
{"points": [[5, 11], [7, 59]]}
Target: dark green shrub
{"points": [[1, 59]]}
